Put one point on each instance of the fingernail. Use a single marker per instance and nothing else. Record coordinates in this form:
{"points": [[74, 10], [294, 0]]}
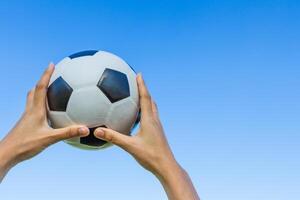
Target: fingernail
{"points": [[99, 132], [51, 65], [83, 131]]}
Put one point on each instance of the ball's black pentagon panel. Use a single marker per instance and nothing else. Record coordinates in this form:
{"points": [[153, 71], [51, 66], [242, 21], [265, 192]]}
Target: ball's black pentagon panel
{"points": [[91, 140], [58, 95], [83, 53], [114, 85]]}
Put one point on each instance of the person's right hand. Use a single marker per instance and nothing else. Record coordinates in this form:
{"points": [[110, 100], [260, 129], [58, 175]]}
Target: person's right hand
{"points": [[32, 134], [151, 149]]}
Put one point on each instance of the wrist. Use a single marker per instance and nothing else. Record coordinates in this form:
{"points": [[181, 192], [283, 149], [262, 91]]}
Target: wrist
{"points": [[7, 158], [177, 183], [168, 169]]}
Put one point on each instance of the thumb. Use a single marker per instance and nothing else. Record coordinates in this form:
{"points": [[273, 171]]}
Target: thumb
{"points": [[113, 137], [70, 132]]}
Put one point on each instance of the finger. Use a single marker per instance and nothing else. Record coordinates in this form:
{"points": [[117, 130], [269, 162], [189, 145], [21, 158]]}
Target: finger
{"points": [[145, 98], [155, 110], [68, 133], [29, 101], [113, 137], [41, 87]]}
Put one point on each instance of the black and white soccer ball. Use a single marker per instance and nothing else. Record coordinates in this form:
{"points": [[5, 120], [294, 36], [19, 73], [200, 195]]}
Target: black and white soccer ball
{"points": [[96, 89]]}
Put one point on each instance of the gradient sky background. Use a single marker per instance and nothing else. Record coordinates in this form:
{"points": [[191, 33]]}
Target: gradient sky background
{"points": [[225, 74]]}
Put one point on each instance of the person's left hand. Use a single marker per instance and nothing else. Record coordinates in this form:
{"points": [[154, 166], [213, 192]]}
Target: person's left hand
{"points": [[32, 134]]}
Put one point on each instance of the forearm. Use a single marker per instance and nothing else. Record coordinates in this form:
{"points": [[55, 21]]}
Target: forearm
{"points": [[177, 183]]}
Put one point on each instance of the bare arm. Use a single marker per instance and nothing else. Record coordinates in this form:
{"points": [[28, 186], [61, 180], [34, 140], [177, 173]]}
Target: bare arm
{"points": [[32, 134], [151, 149]]}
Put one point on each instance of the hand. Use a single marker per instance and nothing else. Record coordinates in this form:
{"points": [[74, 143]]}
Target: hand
{"points": [[149, 146], [32, 134], [151, 149]]}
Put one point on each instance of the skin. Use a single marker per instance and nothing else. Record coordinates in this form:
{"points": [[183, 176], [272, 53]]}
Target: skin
{"points": [[151, 149], [149, 146], [32, 134]]}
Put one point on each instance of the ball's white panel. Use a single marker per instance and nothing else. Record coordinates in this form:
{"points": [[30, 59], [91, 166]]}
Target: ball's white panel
{"points": [[122, 116], [83, 71], [116, 63], [88, 106], [134, 93], [61, 120], [59, 67], [111, 61]]}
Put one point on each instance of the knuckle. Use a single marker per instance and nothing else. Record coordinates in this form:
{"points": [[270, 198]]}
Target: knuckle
{"points": [[109, 137], [40, 86], [70, 132], [145, 96]]}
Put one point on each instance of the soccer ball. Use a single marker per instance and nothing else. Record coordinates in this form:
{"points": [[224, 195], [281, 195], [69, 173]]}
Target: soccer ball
{"points": [[96, 89]]}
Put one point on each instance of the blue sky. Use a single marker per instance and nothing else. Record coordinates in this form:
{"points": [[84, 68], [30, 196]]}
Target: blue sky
{"points": [[225, 74]]}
